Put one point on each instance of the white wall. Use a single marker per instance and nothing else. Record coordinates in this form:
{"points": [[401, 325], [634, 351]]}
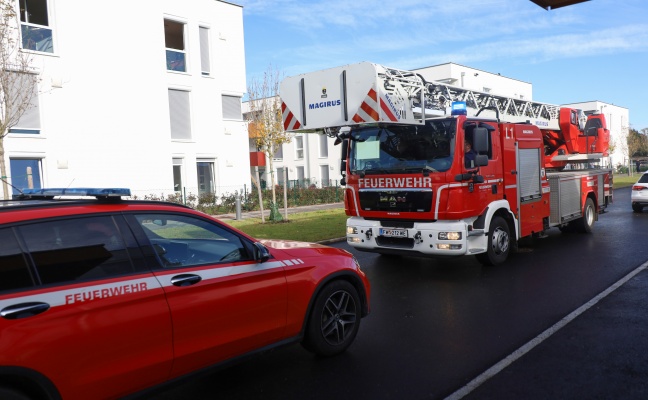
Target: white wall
{"points": [[478, 80], [104, 97]]}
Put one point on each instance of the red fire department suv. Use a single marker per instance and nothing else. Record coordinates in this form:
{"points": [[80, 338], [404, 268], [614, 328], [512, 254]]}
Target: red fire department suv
{"points": [[103, 297]]}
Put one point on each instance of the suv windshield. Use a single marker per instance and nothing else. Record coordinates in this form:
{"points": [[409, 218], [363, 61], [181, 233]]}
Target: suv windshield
{"points": [[394, 149]]}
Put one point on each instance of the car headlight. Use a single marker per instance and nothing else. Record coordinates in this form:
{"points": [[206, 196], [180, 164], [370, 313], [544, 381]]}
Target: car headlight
{"points": [[352, 230]]}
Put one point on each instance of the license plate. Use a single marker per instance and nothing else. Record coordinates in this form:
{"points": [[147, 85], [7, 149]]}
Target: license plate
{"points": [[393, 232]]}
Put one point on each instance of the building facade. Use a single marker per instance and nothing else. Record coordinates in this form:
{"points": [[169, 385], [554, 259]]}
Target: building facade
{"points": [[145, 96], [308, 159]]}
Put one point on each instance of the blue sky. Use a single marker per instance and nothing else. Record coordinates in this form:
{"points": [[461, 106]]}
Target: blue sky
{"points": [[597, 50]]}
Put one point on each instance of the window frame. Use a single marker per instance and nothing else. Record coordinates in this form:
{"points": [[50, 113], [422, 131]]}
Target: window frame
{"points": [[204, 36], [180, 114], [175, 51], [299, 147], [323, 146], [39, 173], [212, 171], [26, 26]]}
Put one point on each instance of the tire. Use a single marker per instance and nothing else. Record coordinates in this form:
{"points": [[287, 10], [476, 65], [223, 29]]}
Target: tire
{"points": [[11, 394], [586, 222], [334, 320], [499, 243], [637, 208]]}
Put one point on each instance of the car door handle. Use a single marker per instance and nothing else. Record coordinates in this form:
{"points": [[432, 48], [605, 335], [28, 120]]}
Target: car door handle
{"points": [[185, 280], [23, 310]]}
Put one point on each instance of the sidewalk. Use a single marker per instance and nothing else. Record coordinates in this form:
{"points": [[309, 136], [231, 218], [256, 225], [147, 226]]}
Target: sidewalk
{"points": [[291, 210]]}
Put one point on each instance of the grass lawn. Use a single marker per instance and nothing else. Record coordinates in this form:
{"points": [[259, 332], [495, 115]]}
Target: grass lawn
{"points": [[307, 227], [623, 180]]}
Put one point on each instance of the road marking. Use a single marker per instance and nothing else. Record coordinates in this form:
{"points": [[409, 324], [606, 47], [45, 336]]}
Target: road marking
{"points": [[511, 358]]}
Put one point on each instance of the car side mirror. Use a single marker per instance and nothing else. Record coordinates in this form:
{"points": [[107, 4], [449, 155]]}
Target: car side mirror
{"points": [[261, 253]]}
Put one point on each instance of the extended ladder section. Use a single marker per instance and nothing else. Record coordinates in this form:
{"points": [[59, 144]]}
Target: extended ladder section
{"points": [[367, 93]]}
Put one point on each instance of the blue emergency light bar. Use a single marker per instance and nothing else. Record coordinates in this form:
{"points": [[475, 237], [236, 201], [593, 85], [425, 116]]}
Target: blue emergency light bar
{"points": [[459, 108], [75, 192]]}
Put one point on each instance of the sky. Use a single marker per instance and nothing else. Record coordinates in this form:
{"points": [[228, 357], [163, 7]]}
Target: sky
{"points": [[596, 50]]}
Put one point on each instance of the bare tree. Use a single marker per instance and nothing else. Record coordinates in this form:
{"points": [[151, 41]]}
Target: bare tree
{"points": [[18, 80], [266, 126]]}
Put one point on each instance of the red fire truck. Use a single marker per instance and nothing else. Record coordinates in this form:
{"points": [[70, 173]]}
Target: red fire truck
{"points": [[425, 178]]}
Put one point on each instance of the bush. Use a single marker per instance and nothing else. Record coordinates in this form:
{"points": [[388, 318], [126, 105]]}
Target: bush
{"points": [[297, 196]]}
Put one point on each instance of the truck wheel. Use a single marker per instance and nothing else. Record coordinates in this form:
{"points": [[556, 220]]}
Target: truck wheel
{"points": [[334, 321], [637, 207], [499, 243], [586, 222]]}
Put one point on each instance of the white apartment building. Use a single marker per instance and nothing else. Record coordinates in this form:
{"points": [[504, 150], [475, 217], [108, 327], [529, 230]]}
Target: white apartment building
{"points": [[142, 94]]}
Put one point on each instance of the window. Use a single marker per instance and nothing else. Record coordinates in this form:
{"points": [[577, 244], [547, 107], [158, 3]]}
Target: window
{"points": [[14, 273], [278, 154], [204, 50], [175, 45], [205, 176], [300, 174], [180, 114], [323, 146], [25, 173], [232, 107], [79, 249], [324, 175], [181, 240], [177, 174], [20, 97], [299, 147], [34, 26], [280, 175]]}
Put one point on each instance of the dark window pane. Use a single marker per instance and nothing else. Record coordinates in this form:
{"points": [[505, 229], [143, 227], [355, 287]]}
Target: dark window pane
{"points": [[79, 249], [25, 174], [14, 273], [34, 12]]}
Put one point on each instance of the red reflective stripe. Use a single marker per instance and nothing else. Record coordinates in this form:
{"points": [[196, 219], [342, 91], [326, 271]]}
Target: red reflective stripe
{"points": [[283, 106], [372, 95], [370, 111], [357, 118], [387, 111]]}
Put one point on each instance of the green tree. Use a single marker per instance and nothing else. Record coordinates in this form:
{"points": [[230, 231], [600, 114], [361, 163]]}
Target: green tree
{"points": [[265, 123], [18, 81]]}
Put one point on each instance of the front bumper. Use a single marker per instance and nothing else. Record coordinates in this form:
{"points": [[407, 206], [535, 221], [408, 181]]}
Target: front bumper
{"points": [[440, 238]]}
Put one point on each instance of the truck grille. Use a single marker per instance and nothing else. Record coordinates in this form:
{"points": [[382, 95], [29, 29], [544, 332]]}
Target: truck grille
{"points": [[396, 200]]}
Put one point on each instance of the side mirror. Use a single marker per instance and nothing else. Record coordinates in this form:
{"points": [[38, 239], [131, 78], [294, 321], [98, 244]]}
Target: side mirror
{"points": [[261, 253], [481, 160], [480, 140]]}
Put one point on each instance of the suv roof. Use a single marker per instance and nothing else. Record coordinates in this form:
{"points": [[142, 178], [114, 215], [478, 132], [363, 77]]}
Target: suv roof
{"points": [[34, 198]]}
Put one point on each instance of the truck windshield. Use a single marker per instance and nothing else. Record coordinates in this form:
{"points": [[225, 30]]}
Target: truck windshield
{"points": [[397, 149]]}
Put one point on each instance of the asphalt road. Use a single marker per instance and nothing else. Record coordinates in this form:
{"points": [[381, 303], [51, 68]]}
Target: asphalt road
{"points": [[453, 328]]}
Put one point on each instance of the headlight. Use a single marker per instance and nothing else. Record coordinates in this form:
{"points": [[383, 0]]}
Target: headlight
{"points": [[448, 246], [352, 230], [449, 235]]}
